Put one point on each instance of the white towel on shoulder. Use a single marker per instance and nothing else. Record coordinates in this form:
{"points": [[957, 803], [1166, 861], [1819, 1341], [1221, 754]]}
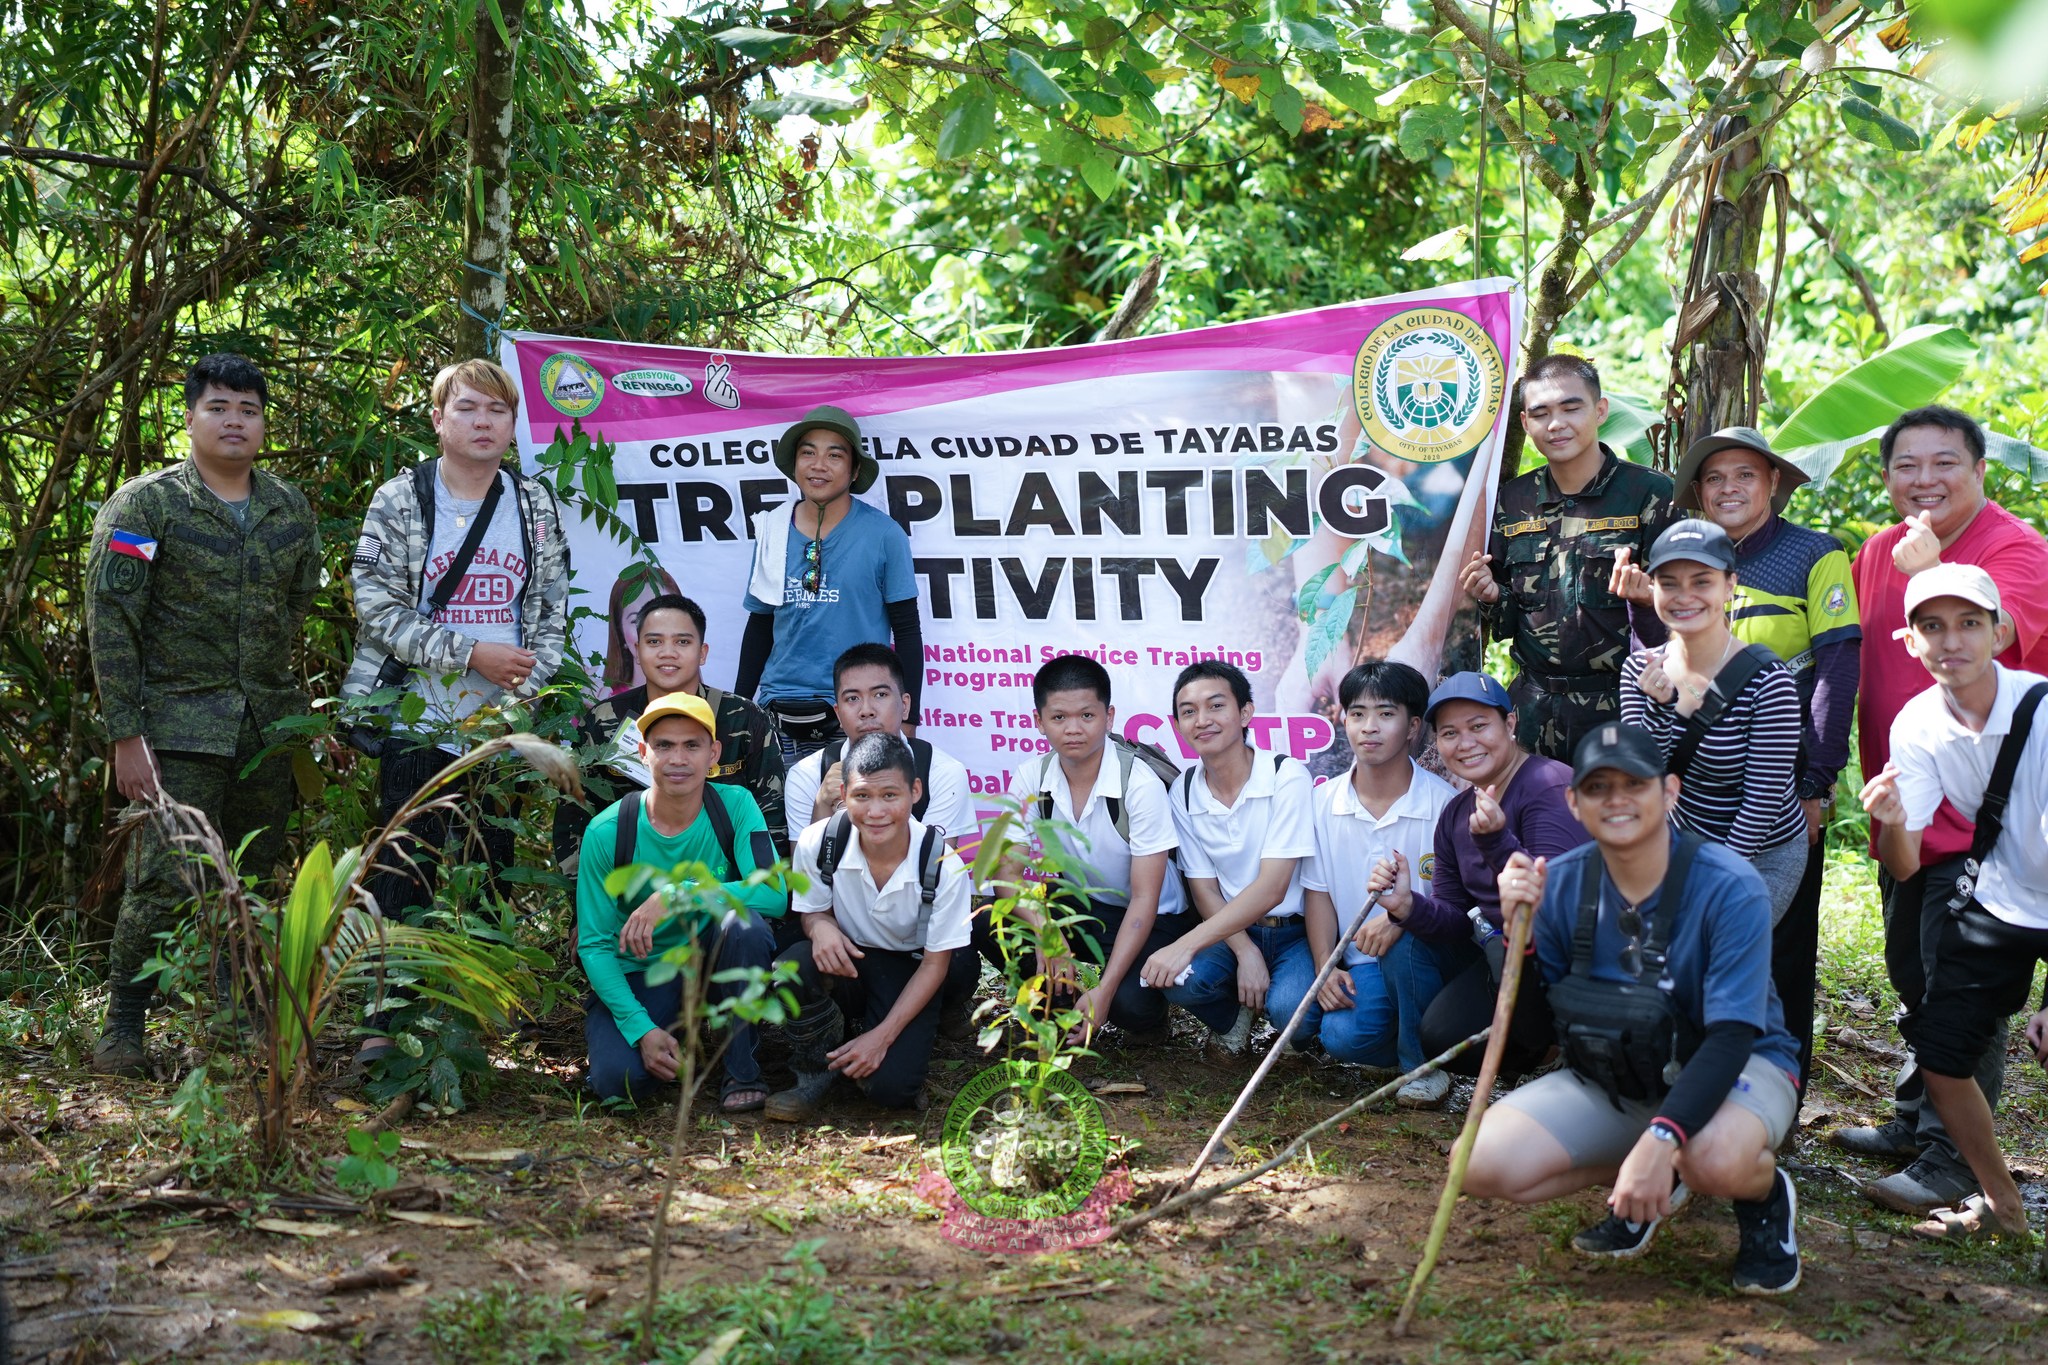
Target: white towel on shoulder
{"points": [[771, 554]]}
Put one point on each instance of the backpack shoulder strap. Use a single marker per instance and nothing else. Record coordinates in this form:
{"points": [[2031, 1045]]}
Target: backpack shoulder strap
{"points": [[831, 754], [1187, 788], [1119, 817], [931, 865], [1998, 791], [1590, 877], [1670, 896], [1735, 675], [1279, 759], [721, 828], [423, 492], [628, 837], [833, 846]]}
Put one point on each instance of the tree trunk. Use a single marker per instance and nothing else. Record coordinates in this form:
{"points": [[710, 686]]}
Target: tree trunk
{"points": [[1724, 312], [487, 180]]}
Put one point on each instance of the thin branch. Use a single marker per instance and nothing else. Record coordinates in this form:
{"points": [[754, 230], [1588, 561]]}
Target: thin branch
{"points": [[1848, 263], [1450, 13]]}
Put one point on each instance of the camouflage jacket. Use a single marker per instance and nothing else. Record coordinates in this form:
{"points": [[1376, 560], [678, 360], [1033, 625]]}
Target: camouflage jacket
{"points": [[1553, 554], [386, 567], [191, 619], [748, 757]]}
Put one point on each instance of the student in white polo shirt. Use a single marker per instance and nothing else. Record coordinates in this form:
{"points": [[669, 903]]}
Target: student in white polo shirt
{"points": [[1978, 739], [886, 908], [1384, 808], [1123, 843], [869, 697], [1245, 826]]}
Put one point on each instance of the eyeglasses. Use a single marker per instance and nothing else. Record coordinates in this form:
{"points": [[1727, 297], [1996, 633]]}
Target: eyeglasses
{"points": [[814, 567]]}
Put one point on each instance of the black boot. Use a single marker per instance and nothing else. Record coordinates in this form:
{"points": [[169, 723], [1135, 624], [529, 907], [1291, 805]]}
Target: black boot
{"points": [[816, 1030], [119, 1050]]}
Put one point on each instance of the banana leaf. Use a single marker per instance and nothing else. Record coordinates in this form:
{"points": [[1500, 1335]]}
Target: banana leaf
{"points": [[1857, 405], [1628, 424]]}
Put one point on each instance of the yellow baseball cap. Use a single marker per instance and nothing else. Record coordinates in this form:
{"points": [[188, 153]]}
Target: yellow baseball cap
{"points": [[688, 705]]}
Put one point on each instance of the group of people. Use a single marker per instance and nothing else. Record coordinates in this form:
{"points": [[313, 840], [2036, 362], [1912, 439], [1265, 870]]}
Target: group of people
{"points": [[1653, 786]]}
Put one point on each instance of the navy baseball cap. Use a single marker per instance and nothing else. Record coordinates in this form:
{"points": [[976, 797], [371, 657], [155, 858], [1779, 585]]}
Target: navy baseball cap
{"points": [[1615, 744], [1695, 539], [1468, 686]]}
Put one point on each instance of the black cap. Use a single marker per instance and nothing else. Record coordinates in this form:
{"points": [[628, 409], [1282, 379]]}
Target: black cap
{"points": [[1695, 539], [1616, 744]]}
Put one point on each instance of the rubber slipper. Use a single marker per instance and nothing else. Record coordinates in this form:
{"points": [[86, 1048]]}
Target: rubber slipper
{"points": [[368, 1054], [731, 1103], [1970, 1221]]}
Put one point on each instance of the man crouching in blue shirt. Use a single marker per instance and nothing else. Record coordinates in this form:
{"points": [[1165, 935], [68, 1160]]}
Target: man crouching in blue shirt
{"points": [[1656, 952]]}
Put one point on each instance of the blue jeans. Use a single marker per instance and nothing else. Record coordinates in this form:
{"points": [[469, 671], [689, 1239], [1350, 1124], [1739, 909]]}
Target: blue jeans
{"points": [[616, 1068], [1384, 1025], [1211, 992]]}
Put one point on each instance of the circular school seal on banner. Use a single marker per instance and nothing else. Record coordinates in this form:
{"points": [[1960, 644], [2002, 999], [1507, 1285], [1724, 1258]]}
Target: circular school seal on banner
{"points": [[1428, 384], [571, 384], [1024, 1141]]}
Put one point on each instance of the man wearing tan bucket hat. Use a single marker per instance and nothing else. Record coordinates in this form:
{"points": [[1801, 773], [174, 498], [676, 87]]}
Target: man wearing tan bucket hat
{"points": [[829, 573], [1795, 597]]}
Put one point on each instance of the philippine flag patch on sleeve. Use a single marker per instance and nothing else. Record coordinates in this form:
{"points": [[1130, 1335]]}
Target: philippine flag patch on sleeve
{"points": [[128, 543]]}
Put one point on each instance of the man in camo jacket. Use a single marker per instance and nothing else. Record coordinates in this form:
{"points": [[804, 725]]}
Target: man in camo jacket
{"points": [[1548, 580], [501, 636], [197, 586]]}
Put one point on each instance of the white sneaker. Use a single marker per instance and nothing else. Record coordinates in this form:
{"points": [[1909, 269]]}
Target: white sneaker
{"points": [[1240, 1036], [1424, 1092]]}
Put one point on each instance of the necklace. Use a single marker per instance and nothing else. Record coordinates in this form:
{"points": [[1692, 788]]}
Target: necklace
{"points": [[1700, 693]]}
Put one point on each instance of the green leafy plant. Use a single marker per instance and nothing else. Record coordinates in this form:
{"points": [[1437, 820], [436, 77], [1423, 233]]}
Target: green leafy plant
{"points": [[212, 1142], [368, 1165]]}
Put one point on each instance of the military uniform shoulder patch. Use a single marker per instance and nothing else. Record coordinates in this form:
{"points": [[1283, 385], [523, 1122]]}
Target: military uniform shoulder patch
{"points": [[1837, 601], [369, 550]]}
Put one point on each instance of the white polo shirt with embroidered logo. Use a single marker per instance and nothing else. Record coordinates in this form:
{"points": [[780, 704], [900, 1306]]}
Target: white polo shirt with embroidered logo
{"points": [[884, 916], [1271, 818], [1102, 849], [1350, 840]]}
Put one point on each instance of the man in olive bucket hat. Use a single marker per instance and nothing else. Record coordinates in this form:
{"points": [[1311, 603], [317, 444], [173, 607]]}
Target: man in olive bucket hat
{"points": [[829, 573], [1795, 597]]}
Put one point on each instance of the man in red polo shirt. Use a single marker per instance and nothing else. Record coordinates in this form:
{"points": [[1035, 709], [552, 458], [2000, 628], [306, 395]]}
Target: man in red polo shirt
{"points": [[1933, 462]]}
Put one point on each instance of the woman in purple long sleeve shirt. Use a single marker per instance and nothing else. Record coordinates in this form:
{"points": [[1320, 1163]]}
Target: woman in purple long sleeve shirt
{"points": [[1515, 803]]}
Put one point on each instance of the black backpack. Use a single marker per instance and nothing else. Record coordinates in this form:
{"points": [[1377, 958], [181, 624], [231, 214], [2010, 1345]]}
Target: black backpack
{"points": [[931, 863], [920, 750], [761, 845], [1187, 781]]}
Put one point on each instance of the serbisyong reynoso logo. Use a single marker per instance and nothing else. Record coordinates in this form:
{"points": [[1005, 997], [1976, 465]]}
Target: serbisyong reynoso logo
{"points": [[1024, 1141], [571, 384], [653, 384], [1428, 385]]}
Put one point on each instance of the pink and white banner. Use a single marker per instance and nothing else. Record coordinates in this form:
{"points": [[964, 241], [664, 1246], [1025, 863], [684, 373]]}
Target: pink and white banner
{"points": [[1291, 494]]}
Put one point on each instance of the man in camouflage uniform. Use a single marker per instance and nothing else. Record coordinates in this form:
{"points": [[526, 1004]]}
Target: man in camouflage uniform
{"points": [[1547, 581], [669, 644], [197, 586], [501, 635]]}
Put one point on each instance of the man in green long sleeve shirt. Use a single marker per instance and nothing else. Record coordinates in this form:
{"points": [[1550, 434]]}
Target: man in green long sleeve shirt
{"points": [[626, 1023]]}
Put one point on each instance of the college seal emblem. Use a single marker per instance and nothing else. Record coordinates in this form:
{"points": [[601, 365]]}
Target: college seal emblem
{"points": [[1428, 384], [571, 384]]}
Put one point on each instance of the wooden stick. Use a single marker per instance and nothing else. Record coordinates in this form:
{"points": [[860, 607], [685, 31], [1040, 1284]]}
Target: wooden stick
{"points": [[1187, 1182], [1461, 1154], [1195, 1198]]}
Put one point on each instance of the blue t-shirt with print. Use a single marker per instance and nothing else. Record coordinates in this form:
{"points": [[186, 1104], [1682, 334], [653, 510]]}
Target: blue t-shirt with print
{"points": [[866, 566], [1719, 953]]}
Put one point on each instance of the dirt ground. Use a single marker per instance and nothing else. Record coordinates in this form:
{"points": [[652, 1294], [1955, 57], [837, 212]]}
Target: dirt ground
{"points": [[813, 1245]]}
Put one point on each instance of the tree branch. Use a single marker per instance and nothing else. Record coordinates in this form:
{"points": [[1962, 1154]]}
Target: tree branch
{"points": [[196, 174]]}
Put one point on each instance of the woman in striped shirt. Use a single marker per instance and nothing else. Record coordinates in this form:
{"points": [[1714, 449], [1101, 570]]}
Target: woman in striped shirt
{"points": [[1739, 786]]}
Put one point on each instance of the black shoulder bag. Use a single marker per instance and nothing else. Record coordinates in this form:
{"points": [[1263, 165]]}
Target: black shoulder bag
{"points": [[1628, 1037], [1998, 791], [371, 738]]}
